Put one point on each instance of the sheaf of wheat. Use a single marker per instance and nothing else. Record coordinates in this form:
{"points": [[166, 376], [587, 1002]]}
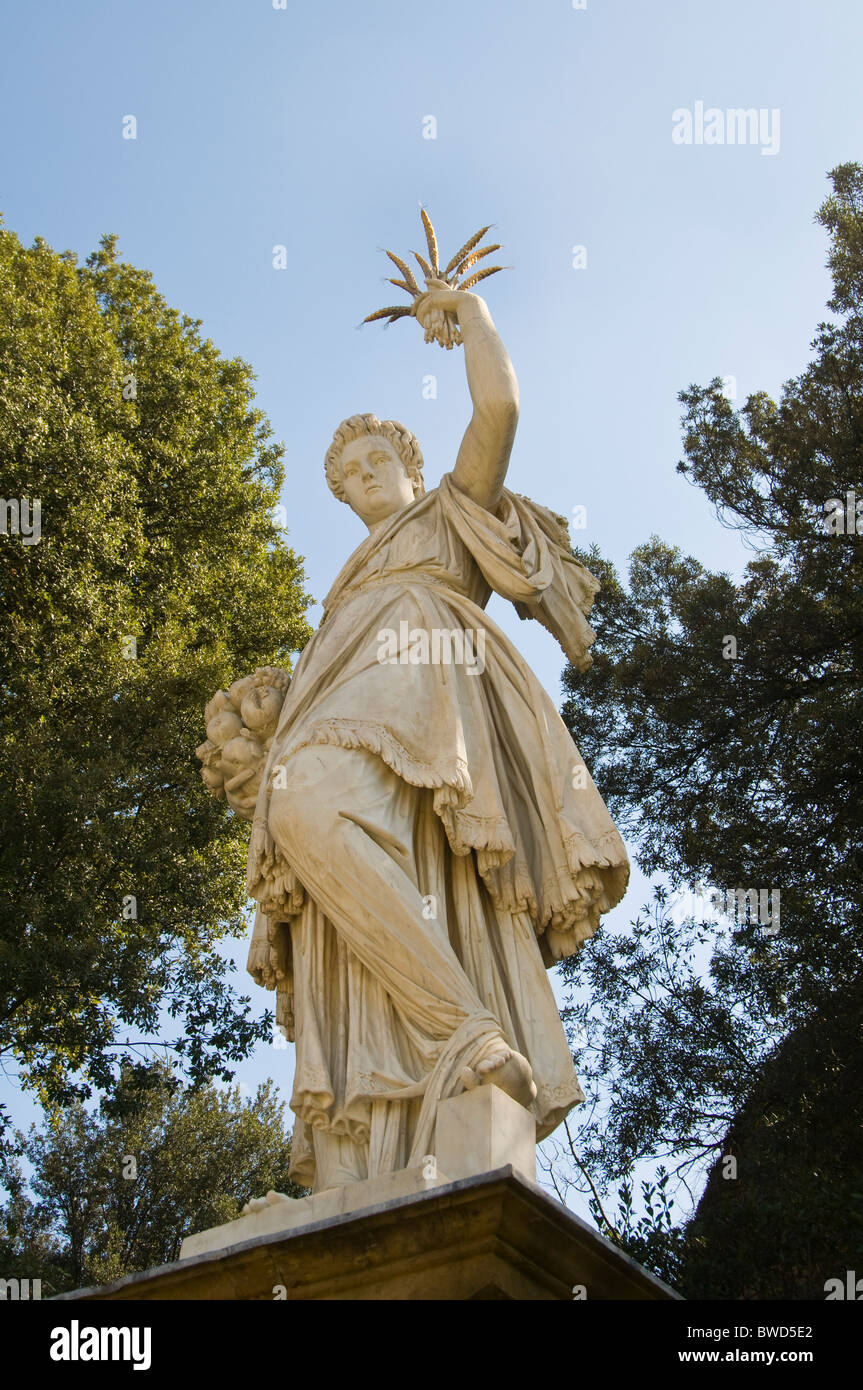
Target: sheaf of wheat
{"points": [[454, 274]]}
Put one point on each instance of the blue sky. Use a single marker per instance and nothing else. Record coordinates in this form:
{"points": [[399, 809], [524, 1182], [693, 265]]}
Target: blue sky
{"points": [[303, 127]]}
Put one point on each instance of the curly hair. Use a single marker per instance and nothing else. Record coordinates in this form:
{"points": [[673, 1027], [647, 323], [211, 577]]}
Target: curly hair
{"points": [[405, 444]]}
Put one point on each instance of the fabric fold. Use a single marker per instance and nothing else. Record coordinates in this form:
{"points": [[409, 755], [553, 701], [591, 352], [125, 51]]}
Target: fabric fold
{"points": [[407, 668]]}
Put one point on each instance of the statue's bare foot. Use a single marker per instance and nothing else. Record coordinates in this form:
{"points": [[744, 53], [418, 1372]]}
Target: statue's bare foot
{"points": [[506, 1069], [261, 1203]]}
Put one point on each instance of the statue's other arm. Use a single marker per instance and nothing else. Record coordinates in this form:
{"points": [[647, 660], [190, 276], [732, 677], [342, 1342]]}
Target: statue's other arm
{"points": [[480, 468]]}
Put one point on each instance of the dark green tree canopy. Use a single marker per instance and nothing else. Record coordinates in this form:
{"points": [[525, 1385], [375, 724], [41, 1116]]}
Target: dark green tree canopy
{"points": [[723, 723], [793, 1199], [747, 770], [158, 578]]}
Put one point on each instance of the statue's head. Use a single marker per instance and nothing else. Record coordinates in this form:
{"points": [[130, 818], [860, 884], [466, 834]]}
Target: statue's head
{"points": [[375, 466]]}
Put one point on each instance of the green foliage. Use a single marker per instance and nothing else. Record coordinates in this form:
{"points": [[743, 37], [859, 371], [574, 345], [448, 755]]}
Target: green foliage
{"points": [[155, 526], [735, 773], [650, 1235], [667, 1051], [88, 1214]]}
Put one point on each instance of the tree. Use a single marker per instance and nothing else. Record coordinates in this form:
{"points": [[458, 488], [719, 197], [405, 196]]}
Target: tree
{"points": [[723, 722], [116, 1191], [789, 1183], [158, 577]]}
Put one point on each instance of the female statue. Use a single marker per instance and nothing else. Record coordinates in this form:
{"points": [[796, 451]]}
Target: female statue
{"points": [[426, 840]]}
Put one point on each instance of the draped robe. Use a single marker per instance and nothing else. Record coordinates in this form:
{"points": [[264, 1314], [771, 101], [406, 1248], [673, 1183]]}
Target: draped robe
{"points": [[512, 847]]}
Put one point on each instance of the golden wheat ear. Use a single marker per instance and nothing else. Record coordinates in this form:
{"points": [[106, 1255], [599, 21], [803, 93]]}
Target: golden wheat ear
{"points": [[393, 311], [464, 266], [423, 265], [406, 272], [481, 275], [431, 241], [468, 246]]}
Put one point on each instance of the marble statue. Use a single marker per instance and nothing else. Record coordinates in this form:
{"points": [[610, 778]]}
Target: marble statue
{"points": [[426, 840]]}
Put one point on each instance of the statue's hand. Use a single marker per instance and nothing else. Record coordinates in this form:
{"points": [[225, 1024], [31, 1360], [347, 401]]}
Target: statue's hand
{"points": [[439, 295], [437, 311]]}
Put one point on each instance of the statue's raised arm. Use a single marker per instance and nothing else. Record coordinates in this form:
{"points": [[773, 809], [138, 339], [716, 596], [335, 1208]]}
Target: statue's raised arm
{"points": [[480, 468], [450, 314]]}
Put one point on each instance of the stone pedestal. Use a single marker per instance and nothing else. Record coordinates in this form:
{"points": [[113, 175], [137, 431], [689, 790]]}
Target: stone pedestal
{"points": [[476, 1132], [292, 1214], [484, 1129], [469, 1222], [491, 1236]]}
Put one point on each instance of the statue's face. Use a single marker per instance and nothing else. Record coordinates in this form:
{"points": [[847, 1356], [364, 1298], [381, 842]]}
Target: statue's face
{"points": [[374, 478]]}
